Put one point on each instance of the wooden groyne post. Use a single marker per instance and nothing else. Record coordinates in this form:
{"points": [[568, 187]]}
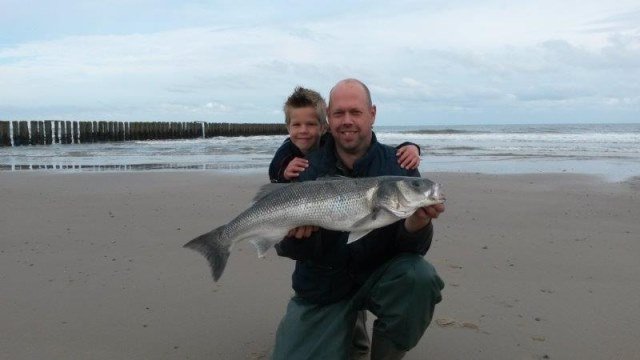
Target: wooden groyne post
{"points": [[5, 139], [33, 132]]}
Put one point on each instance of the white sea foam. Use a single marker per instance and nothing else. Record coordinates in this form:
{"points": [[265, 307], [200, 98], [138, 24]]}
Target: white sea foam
{"points": [[612, 150]]}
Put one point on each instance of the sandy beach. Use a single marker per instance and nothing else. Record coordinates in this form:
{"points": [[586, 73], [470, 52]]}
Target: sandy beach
{"points": [[538, 266]]}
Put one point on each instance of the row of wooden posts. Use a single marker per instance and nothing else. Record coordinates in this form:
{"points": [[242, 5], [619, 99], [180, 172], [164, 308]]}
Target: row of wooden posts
{"points": [[17, 133]]}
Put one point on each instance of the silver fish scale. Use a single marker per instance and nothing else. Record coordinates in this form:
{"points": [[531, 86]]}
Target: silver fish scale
{"points": [[330, 204]]}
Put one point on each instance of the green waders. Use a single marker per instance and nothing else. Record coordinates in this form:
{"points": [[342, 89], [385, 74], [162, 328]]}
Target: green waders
{"points": [[402, 294]]}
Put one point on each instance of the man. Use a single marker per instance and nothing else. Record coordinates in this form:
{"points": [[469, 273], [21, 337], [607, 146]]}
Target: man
{"points": [[383, 272], [306, 120]]}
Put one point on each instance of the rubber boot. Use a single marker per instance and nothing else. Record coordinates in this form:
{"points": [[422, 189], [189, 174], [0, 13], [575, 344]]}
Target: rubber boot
{"points": [[360, 343], [384, 349]]}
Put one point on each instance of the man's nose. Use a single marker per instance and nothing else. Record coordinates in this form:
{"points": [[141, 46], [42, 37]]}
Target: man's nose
{"points": [[347, 120]]}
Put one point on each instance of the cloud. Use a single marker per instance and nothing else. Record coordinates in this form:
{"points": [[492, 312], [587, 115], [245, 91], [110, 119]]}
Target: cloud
{"points": [[619, 22], [436, 58]]}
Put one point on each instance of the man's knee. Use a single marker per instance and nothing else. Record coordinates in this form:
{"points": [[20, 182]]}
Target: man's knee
{"points": [[421, 276], [418, 286], [427, 280]]}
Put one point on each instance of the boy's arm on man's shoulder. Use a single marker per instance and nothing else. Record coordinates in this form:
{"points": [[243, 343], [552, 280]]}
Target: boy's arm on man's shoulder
{"points": [[408, 143], [276, 169], [280, 160]]}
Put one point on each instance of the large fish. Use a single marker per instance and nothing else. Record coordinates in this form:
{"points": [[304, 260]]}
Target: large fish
{"points": [[343, 204]]}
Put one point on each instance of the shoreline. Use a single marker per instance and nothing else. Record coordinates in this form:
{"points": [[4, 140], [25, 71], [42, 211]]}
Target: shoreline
{"points": [[244, 171], [92, 266]]}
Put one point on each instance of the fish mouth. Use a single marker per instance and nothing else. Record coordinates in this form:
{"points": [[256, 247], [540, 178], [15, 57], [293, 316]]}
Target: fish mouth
{"points": [[436, 194]]}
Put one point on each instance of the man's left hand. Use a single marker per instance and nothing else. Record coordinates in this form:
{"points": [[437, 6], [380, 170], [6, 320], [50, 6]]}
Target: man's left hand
{"points": [[422, 217]]}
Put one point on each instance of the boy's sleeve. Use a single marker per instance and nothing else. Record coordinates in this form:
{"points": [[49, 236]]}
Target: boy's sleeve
{"points": [[276, 171], [281, 159]]}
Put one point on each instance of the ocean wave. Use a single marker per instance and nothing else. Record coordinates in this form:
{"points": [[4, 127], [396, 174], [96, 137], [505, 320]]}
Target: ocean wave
{"points": [[440, 132], [131, 167], [458, 148]]}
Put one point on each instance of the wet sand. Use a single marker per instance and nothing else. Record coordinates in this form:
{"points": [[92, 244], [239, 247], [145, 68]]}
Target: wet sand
{"points": [[91, 267]]}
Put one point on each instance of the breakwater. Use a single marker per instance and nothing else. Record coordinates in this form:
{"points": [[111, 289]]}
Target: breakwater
{"points": [[18, 133]]}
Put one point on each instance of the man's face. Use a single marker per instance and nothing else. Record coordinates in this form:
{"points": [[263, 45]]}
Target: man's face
{"points": [[350, 118], [304, 128]]}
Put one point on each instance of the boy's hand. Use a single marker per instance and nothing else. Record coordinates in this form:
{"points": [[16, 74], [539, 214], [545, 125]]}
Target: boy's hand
{"points": [[408, 157], [295, 167]]}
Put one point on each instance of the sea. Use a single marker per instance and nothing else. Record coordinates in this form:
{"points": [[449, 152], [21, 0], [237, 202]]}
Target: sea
{"points": [[608, 150]]}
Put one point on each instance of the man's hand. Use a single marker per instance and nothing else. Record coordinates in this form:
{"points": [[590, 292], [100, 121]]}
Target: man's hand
{"points": [[408, 157], [302, 231], [295, 167], [422, 217]]}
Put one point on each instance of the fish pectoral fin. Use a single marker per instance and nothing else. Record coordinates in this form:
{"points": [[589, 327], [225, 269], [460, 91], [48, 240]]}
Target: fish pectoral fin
{"points": [[262, 245], [356, 235], [365, 221]]}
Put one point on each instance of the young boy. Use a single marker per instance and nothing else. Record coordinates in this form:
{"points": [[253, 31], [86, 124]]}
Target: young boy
{"points": [[306, 119]]}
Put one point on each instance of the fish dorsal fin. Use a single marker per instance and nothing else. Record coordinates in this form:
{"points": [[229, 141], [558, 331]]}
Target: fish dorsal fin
{"points": [[332, 177], [267, 189]]}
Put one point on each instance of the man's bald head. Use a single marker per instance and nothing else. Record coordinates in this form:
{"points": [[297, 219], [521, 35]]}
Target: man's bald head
{"points": [[352, 82]]}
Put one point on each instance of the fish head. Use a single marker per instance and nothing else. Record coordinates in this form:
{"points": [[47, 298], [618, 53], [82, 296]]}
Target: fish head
{"points": [[419, 192], [402, 196]]}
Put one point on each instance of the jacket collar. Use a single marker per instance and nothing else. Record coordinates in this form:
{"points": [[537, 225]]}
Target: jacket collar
{"points": [[359, 167]]}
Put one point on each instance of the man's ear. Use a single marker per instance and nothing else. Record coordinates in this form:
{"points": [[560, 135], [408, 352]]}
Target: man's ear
{"points": [[373, 115]]}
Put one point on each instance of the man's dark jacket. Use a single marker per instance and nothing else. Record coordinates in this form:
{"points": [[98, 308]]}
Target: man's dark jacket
{"points": [[288, 151], [327, 269]]}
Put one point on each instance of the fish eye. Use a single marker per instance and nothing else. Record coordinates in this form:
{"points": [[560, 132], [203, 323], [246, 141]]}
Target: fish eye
{"points": [[415, 183]]}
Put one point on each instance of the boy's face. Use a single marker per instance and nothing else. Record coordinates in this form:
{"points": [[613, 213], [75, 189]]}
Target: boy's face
{"points": [[304, 128]]}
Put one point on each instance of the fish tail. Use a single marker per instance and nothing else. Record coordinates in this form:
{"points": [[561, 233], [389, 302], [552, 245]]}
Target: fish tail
{"points": [[214, 249]]}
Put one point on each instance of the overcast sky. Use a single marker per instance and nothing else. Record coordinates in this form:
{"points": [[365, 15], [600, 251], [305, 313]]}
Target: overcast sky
{"points": [[426, 62]]}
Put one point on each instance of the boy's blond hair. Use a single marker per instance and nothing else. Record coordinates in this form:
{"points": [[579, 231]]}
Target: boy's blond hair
{"points": [[302, 97]]}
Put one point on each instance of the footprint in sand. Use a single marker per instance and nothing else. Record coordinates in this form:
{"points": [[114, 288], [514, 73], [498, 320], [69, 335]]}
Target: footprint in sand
{"points": [[448, 322]]}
